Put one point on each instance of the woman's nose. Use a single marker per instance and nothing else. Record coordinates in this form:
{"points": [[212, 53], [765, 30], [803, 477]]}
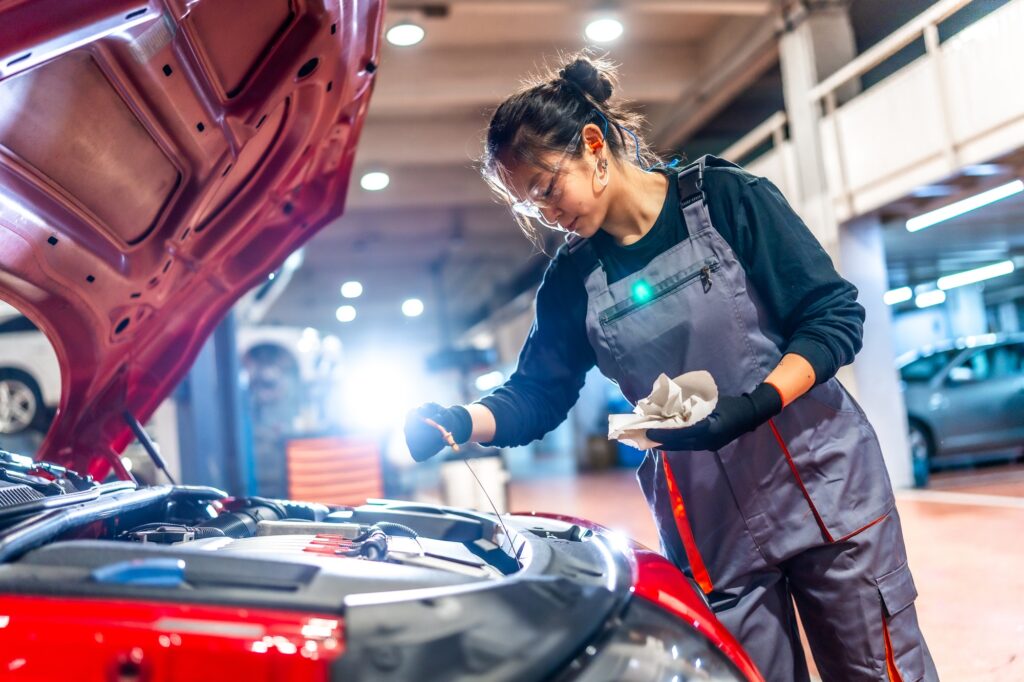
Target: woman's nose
{"points": [[550, 215]]}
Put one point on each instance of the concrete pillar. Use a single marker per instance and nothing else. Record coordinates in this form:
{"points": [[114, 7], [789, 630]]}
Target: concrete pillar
{"points": [[816, 43], [966, 309], [874, 371], [1009, 318]]}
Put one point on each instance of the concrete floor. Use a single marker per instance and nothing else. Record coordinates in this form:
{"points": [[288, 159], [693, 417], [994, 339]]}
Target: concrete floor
{"points": [[963, 537]]}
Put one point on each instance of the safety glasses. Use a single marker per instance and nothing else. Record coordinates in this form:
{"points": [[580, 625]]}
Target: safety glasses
{"points": [[540, 197]]}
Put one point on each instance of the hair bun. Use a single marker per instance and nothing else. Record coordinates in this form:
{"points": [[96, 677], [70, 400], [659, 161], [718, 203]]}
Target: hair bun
{"points": [[582, 73]]}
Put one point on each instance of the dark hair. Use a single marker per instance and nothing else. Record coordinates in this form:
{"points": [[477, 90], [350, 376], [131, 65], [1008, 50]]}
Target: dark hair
{"points": [[548, 112]]}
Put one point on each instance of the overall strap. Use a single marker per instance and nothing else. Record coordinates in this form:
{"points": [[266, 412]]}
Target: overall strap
{"points": [[692, 201]]}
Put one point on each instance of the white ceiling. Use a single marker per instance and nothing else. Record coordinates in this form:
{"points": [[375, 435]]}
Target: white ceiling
{"points": [[425, 126], [437, 234]]}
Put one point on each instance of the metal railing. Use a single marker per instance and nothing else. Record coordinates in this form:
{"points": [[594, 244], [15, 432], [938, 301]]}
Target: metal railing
{"points": [[773, 128], [925, 24]]}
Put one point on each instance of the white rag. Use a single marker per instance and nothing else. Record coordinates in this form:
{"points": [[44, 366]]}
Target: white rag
{"points": [[672, 404]]}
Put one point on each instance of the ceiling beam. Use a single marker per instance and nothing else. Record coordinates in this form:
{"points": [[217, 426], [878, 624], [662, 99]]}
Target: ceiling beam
{"points": [[734, 7], [431, 187], [737, 56], [429, 83]]}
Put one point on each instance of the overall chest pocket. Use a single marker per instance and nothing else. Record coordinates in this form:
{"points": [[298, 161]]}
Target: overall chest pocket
{"points": [[644, 295]]}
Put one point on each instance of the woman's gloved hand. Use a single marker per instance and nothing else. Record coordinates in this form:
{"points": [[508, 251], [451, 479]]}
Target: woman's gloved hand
{"points": [[424, 440], [733, 416]]}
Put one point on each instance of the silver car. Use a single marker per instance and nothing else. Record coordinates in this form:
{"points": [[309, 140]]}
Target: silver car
{"points": [[965, 399]]}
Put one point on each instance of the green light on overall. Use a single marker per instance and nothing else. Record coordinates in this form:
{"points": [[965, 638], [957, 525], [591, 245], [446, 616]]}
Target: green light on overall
{"points": [[642, 292]]}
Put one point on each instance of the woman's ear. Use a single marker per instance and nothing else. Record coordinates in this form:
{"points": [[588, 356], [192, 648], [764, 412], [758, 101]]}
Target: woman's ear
{"points": [[593, 139]]}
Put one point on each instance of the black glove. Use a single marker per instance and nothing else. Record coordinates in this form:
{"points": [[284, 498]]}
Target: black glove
{"points": [[732, 417], [424, 440]]}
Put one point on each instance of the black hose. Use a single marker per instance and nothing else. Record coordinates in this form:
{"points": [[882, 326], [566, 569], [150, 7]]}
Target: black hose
{"points": [[392, 528]]}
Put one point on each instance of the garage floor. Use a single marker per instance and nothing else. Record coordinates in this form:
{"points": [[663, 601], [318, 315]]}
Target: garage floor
{"points": [[964, 538]]}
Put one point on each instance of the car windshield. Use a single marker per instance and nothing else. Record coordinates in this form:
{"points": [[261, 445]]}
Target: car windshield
{"points": [[997, 362], [923, 369]]}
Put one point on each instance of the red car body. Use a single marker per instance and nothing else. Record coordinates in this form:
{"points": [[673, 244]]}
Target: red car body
{"points": [[113, 640], [157, 160]]}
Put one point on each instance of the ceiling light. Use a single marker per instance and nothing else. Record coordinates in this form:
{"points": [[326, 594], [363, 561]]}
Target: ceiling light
{"points": [[345, 313], [375, 181], [976, 275], [930, 298], [352, 289], [309, 342], [894, 296], [964, 205], [294, 261], [412, 307], [604, 30], [405, 34]]}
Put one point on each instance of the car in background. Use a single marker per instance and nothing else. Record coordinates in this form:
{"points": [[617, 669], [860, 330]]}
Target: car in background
{"points": [[965, 400], [29, 376], [279, 363], [157, 161]]}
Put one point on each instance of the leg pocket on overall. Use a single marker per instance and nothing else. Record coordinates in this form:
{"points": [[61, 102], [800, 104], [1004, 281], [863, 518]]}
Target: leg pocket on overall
{"points": [[903, 642]]}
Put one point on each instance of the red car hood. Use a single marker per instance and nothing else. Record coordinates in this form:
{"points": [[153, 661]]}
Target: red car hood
{"points": [[157, 160]]}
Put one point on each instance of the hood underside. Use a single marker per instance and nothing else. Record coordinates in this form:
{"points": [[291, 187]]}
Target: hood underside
{"points": [[157, 160]]}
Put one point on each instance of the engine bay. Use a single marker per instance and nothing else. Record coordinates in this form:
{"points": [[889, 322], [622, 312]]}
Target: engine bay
{"points": [[64, 531], [438, 589]]}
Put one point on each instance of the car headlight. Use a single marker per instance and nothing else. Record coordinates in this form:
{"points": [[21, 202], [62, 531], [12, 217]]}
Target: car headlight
{"points": [[651, 645]]}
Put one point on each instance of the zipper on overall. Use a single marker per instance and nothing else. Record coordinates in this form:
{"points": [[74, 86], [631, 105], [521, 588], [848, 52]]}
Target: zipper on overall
{"points": [[702, 273]]}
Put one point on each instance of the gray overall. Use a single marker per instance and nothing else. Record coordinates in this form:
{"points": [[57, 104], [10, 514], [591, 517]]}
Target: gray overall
{"points": [[799, 509]]}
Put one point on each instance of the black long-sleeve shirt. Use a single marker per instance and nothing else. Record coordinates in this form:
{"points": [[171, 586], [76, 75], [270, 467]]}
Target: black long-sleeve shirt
{"points": [[791, 273]]}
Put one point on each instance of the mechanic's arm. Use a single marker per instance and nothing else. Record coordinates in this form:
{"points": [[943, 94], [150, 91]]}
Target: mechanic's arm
{"points": [[484, 425], [792, 377], [793, 277], [552, 367], [795, 280]]}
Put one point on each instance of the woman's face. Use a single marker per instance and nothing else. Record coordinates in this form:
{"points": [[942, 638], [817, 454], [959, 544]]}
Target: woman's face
{"points": [[569, 197]]}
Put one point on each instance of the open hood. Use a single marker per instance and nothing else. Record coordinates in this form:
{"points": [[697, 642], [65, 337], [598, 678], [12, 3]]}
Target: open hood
{"points": [[157, 160]]}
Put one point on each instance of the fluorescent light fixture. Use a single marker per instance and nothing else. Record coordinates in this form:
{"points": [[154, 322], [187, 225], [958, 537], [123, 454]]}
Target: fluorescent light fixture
{"points": [[405, 34], [412, 307], [352, 289], [981, 340], [375, 181], [930, 298], [964, 205], [932, 191], [976, 275], [345, 313], [894, 296], [486, 382], [604, 30], [983, 169]]}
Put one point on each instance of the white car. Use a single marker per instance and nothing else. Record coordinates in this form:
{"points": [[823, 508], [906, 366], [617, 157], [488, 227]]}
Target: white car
{"points": [[29, 375]]}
